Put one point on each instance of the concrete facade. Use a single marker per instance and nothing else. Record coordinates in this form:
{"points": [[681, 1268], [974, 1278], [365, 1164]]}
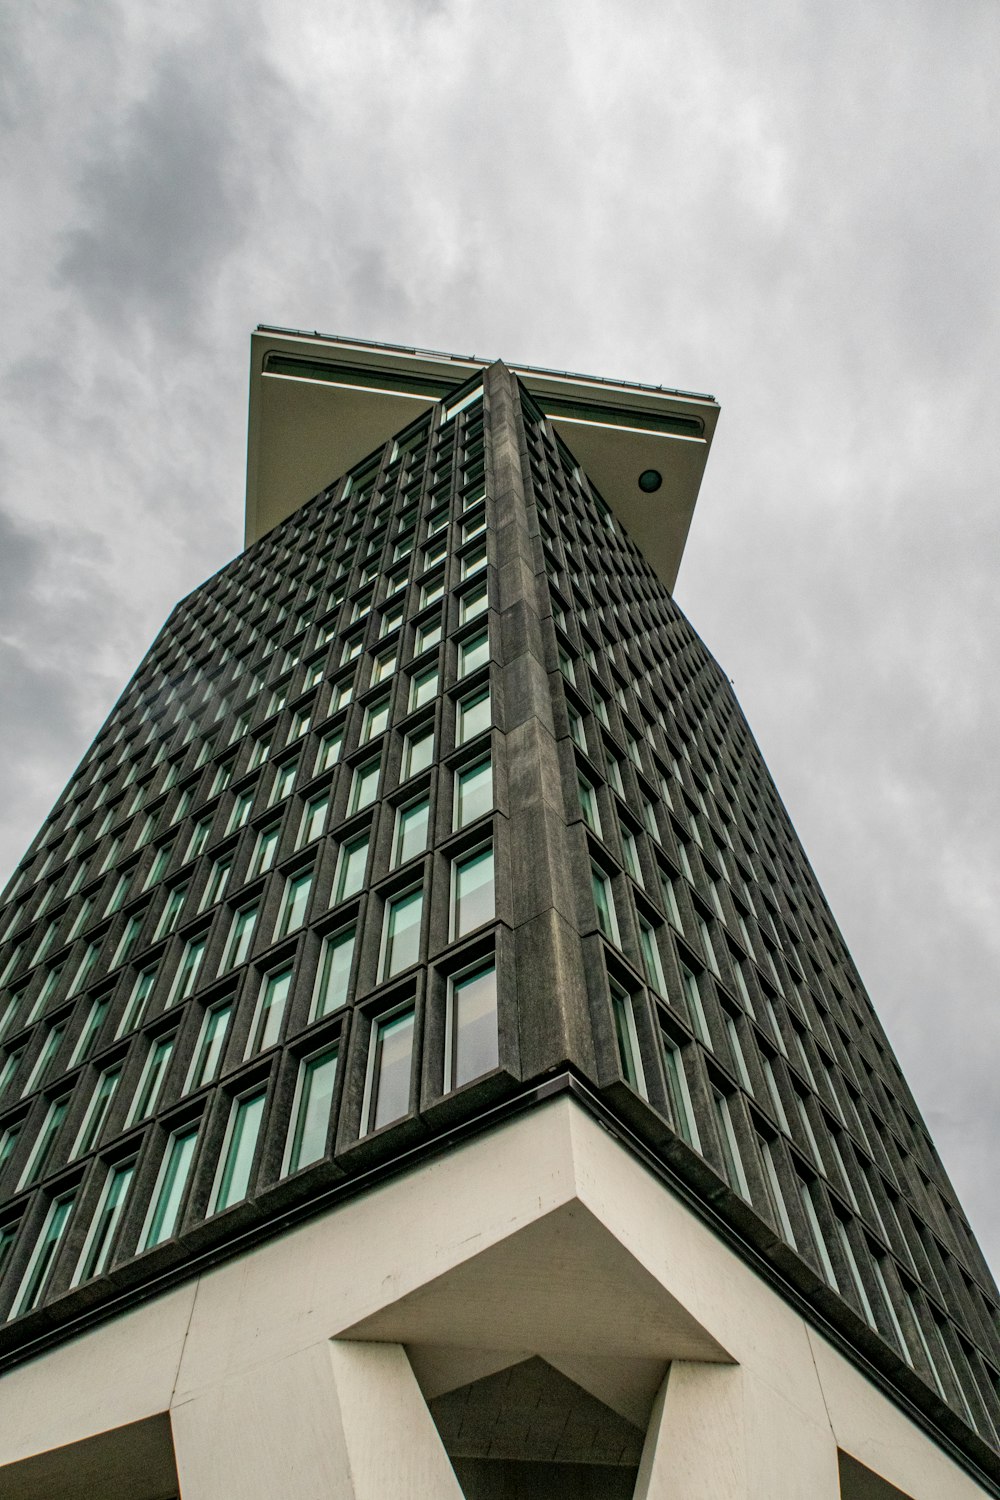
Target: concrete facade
{"points": [[305, 1367]]}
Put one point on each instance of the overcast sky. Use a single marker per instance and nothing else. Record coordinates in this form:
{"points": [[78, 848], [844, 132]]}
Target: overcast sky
{"points": [[791, 206]]}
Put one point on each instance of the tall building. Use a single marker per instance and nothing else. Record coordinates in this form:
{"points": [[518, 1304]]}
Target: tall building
{"points": [[428, 1065]]}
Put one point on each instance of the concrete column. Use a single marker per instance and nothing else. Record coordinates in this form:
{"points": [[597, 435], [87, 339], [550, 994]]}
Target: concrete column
{"points": [[336, 1421], [393, 1447], [715, 1433]]}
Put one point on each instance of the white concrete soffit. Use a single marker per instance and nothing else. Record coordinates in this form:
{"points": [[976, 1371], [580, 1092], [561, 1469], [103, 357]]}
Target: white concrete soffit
{"points": [[318, 405]]}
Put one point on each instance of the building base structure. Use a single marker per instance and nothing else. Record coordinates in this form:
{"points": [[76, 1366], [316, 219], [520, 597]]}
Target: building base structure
{"points": [[531, 1280]]}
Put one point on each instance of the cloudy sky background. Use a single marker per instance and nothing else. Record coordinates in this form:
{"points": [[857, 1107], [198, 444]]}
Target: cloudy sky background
{"points": [[793, 207]]}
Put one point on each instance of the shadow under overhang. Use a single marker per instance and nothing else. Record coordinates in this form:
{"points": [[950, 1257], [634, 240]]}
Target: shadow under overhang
{"points": [[319, 405]]}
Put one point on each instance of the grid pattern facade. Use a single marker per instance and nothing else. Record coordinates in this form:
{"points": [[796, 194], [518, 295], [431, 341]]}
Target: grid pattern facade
{"points": [[281, 925]]}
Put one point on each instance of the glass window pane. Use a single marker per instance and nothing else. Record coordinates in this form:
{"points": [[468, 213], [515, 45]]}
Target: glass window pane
{"points": [[628, 1041], [97, 1111], [402, 932], [208, 1054], [474, 1047], [265, 851], [171, 1184], [474, 716], [365, 785], [314, 818], [293, 909], [234, 1179], [101, 1236], [389, 1071], [334, 973], [411, 831], [606, 918], [312, 1114], [473, 792], [473, 652], [419, 752], [43, 1257], [241, 936], [376, 719], [271, 1010], [423, 688], [475, 901], [351, 874], [329, 751]]}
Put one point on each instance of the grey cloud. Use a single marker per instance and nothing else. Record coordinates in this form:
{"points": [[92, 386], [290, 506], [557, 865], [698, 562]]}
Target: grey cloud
{"points": [[172, 191]]}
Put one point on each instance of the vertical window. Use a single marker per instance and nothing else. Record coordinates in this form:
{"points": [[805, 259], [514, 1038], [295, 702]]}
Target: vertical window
{"points": [[311, 1110], [376, 720], [576, 729], [45, 1058], [283, 782], [186, 978], [651, 958], [171, 914], [588, 805], [329, 751], [384, 666], [731, 1159], [271, 1005], [136, 1005], [127, 941], [314, 818], [736, 1048], [471, 1043], [293, 904], [411, 831], [692, 992], [8, 1144], [607, 920], [423, 687], [473, 652], [816, 1232], [171, 1184], [158, 868], [473, 792], [215, 887], [772, 1181], [265, 850], [98, 1110], [240, 811], [401, 935], [43, 1256], [623, 1009], [473, 603], [211, 1042], [631, 853], [351, 868], [474, 893], [99, 1244], [418, 752], [45, 1140], [855, 1271], [334, 976], [473, 716], [233, 1181], [84, 969], [151, 1080], [199, 838], [240, 937], [428, 635], [678, 1095], [364, 786], [390, 1054]]}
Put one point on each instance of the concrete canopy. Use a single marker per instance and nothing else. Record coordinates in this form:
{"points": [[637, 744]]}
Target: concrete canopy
{"points": [[319, 404]]}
